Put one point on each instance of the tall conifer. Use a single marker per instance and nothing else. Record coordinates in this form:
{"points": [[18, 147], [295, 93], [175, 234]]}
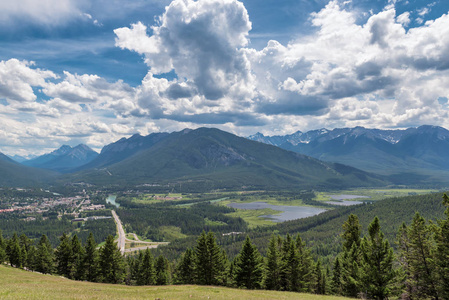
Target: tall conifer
{"points": [[377, 273], [248, 266]]}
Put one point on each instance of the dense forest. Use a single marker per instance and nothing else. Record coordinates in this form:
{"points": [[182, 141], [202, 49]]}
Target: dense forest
{"points": [[366, 265]]}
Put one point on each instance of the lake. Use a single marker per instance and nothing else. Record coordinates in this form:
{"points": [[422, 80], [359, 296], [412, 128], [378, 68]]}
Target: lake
{"points": [[287, 212], [111, 200]]}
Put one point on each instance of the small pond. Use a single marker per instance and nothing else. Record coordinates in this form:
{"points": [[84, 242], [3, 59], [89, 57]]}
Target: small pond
{"points": [[342, 200], [111, 200], [288, 212]]}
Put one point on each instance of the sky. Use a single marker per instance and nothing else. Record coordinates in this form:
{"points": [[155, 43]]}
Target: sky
{"points": [[94, 71]]}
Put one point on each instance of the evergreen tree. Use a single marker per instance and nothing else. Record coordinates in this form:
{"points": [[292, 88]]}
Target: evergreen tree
{"points": [[111, 262], [420, 260], [25, 245], [442, 253], [377, 263], [350, 258], [336, 283], [44, 256], [162, 272], [77, 261], [63, 256], [14, 252], [292, 268], [210, 268], [2, 248], [185, 268], [285, 268], [90, 260], [248, 267], [306, 266], [273, 263], [320, 280], [146, 272]]}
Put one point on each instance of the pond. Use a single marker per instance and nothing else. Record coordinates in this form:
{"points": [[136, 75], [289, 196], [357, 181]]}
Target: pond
{"points": [[288, 212], [341, 200], [111, 200]]}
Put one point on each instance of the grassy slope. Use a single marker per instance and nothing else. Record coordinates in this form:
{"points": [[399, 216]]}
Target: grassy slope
{"points": [[19, 284]]}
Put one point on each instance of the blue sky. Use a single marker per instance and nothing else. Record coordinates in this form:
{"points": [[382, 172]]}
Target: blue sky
{"points": [[95, 71]]}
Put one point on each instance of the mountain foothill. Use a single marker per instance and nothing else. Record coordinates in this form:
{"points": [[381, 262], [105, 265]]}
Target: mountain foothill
{"points": [[208, 158]]}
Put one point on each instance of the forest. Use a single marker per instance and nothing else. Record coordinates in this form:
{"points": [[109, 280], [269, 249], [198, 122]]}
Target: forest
{"points": [[365, 266]]}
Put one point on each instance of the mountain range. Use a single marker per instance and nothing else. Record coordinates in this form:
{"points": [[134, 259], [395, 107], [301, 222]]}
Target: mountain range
{"points": [[406, 156], [211, 158], [208, 158], [63, 160]]}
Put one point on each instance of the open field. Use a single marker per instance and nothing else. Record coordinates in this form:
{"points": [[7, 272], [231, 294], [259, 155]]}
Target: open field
{"points": [[19, 284]]}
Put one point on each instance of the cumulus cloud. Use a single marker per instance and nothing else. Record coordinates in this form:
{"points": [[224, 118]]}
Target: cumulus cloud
{"points": [[323, 74], [17, 80]]}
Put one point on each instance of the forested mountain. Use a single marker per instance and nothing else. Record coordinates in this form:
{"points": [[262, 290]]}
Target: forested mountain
{"points": [[211, 158], [64, 159], [124, 148], [13, 174], [408, 156]]}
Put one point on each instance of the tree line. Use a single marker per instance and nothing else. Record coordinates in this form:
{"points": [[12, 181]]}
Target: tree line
{"points": [[366, 266]]}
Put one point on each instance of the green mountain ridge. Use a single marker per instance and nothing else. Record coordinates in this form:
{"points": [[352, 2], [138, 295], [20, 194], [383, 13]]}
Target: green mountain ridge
{"points": [[13, 174], [211, 158]]}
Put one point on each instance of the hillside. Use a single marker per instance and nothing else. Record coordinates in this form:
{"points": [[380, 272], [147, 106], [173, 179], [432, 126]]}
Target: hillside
{"points": [[411, 156], [64, 159], [13, 174], [123, 149], [20, 284], [210, 158]]}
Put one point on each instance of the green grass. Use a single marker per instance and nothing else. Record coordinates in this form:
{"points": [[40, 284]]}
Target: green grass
{"points": [[19, 284], [253, 216], [172, 232]]}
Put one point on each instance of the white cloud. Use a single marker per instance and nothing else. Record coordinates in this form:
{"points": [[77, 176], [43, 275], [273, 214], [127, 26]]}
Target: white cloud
{"points": [[404, 18], [17, 80]]}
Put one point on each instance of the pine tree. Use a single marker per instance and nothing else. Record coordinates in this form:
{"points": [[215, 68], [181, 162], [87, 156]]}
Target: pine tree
{"points": [[111, 262], [285, 268], [90, 260], [442, 253], [44, 256], [378, 274], [420, 260], [14, 252], [162, 272], [320, 280], [25, 245], [185, 268], [146, 270], [63, 256], [210, 268], [76, 261], [350, 258], [248, 266], [306, 266], [273, 262], [336, 284], [2, 248]]}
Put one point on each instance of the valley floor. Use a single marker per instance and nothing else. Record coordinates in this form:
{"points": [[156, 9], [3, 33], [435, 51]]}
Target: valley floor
{"points": [[20, 284]]}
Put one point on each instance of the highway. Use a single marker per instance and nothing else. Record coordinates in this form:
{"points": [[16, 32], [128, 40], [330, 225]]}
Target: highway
{"points": [[121, 233]]}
